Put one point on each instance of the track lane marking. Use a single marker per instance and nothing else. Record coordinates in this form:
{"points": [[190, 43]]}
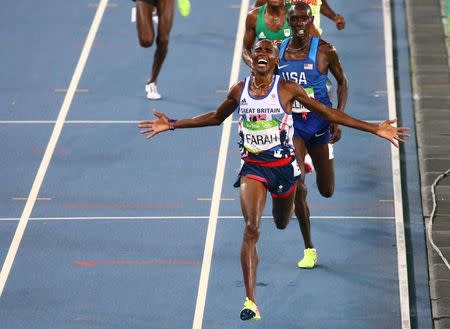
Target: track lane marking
{"points": [[37, 199], [135, 262], [64, 90], [218, 182], [240, 218], [396, 175], [21, 226]]}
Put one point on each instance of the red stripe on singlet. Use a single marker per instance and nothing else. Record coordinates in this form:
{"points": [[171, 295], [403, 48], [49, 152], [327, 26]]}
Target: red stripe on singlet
{"points": [[276, 163]]}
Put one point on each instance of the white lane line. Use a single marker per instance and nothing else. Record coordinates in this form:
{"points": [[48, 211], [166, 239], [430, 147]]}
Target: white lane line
{"points": [[50, 147], [37, 199], [212, 224], [100, 218], [101, 121], [64, 90], [396, 177]]}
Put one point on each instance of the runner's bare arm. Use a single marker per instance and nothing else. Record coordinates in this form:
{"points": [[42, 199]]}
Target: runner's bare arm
{"points": [[335, 67], [326, 10], [337, 71], [291, 91], [153, 127], [249, 37]]}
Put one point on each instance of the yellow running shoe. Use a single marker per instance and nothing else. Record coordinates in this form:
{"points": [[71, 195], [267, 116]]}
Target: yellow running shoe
{"points": [[250, 311], [184, 7], [309, 258]]}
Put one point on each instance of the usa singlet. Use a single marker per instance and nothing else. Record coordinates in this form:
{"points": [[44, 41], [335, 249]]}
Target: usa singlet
{"points": [[306, 74], [265, 129]]}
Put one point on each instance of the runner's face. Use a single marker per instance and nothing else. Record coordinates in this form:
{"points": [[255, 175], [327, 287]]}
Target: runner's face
{"points": [[300, 21], [265, 57]]}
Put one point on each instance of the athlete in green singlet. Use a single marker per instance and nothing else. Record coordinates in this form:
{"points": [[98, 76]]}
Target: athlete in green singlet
{"points": [[262, 31], [265, 22], [317, 7]]}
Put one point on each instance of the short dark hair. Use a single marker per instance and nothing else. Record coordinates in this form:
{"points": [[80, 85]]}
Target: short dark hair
{"points": [[301, 5], [275, 48]]}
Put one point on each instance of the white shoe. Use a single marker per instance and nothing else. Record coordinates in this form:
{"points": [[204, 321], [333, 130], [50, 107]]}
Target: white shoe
{"points": [[152, 91]]}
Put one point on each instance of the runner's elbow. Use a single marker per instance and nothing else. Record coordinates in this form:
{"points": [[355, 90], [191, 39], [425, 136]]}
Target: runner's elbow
{"points": [[216, 121]]}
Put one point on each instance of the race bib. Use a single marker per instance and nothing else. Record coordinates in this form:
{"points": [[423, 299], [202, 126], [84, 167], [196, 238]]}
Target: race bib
{"points": [[260, 136], [299, 108]]}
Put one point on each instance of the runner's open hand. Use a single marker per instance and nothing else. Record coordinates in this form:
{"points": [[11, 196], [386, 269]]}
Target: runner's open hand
{"points": [[391, 133], [154, 127]]}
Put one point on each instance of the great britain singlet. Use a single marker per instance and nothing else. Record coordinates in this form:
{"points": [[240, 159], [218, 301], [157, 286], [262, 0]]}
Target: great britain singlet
{"points": [[265, 129], [263, 32]]}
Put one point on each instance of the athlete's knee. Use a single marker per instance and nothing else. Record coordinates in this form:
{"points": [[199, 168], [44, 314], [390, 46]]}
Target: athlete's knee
{"points": [[282, 216], [162, 41], [251, 232], [282, 224], [146, 41], [302, 191], [327, 192]]}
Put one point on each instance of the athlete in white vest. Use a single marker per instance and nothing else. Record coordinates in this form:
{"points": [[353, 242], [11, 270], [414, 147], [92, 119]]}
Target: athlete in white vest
{"points": [[264, 102]]}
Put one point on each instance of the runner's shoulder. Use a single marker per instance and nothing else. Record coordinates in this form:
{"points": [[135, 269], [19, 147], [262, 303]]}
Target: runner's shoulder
{"points": [[235, 90], [254, 12], [327, 47], [252, 16], [287, 84]]}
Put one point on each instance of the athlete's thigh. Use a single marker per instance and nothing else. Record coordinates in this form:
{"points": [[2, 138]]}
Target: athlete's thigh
{"points": [[165, 10], [144, 22], [253, 199], [324, 167]]}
